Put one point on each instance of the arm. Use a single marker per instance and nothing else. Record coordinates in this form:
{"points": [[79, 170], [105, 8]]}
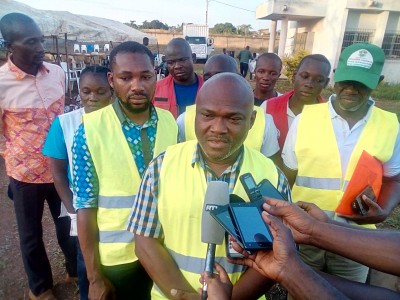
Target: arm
{"points": [[285, 266], [374, 248], [88, 234], [59, 170], [356, 290], [251, 285], [86, 189], [160, 265], [388, 200]]}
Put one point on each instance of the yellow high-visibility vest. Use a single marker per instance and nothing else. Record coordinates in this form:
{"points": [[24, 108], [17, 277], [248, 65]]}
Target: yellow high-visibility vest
{"points": [[119, 178], [319, 178], [180, 204]]}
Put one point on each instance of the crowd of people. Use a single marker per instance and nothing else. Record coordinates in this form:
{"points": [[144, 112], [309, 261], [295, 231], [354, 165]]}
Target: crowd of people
{"points": [[125, 176]]}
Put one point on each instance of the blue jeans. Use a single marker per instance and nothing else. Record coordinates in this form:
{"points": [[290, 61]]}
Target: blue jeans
{"points": [[83, 282]]}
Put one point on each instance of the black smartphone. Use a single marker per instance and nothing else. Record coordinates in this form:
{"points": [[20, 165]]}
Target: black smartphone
{"points": [[267, 189], [254, 232], [223, 217], [251, 187], [359, 205]]}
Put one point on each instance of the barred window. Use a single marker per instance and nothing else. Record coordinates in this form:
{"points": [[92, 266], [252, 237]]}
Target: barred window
{"points": [[352, 36], [391, 44]]}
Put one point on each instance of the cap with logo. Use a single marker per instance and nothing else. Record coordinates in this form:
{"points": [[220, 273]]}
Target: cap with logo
{"points": [[361, 62]]}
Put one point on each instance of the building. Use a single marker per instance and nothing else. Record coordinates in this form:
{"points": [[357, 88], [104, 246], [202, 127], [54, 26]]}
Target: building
{"points": [[328, 26]]}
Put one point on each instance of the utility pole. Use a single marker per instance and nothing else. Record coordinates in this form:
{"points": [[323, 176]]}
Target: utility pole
{"points": [[207, 12]]}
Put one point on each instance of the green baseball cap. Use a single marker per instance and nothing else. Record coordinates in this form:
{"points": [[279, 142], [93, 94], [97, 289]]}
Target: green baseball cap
{"points": [[361, 62]]}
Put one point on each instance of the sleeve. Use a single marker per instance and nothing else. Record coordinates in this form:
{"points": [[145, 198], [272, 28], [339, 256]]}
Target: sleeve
{"points": [[283, 185], [55, 146], [392, 166], [270, 144], [264, 105], [85, 180], [181, 127], [2, 138], [288, 152], [143, 219]]}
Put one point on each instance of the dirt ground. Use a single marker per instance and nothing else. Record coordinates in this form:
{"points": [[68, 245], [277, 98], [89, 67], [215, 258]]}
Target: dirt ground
{"points": [[13, 281]]}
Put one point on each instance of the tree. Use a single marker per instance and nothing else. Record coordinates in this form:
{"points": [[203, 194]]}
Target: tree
{"points": [[226, 28], [244, 29], [154, 24], [132, 24], [291, 63]]}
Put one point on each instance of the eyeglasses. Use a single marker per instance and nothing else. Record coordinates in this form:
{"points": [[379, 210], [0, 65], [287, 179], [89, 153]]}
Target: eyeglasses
{"points": [[171, 63]]}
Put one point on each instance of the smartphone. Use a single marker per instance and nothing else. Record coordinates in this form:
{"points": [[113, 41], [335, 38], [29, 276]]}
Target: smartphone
{"points": [[222, 216], [253, 231], [251, 187], [267, 189], [359, 205]]}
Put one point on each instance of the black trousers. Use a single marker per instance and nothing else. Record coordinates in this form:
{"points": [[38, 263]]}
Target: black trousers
{"points": [[129, 280], [244, 67], [28, 204]]}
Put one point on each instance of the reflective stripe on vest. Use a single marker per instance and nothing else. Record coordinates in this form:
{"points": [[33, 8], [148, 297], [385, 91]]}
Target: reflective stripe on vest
{"points": [[320, 179], [254, 138], [118, 178], [181, 218]]}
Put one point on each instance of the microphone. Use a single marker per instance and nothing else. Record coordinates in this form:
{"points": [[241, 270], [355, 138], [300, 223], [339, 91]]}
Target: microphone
{"points": [[217, 194]]}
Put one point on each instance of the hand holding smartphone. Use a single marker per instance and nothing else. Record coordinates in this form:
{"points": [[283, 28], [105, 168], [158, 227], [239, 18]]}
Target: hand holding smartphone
{"points": [[359, 205]]}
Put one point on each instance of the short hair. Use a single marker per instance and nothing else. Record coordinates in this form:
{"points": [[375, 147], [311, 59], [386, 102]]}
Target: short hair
{"points": [[95, 69], [8, 23], [130, 47], [145, 41], [316, 57], [269, 56]]}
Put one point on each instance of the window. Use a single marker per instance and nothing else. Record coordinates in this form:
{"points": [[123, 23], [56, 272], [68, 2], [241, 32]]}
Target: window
{"points": [[352, 36], [391, 44], [195, 39]]}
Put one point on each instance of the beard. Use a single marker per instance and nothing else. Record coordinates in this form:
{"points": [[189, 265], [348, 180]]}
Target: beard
{"points": [[134, 110]]}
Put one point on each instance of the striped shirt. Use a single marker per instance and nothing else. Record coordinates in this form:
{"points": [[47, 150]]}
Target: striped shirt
{"points": [[28, 106], [144, 217]]}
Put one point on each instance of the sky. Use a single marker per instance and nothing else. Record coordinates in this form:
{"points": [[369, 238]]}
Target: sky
{"points": [[171, 12]]}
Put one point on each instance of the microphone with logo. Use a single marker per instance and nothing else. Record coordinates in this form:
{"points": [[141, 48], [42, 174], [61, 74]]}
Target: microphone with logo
{"points": [[217, 194]]}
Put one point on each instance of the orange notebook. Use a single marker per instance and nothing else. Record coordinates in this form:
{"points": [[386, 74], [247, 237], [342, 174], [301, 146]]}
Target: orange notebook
{"points": [[367, 172]]}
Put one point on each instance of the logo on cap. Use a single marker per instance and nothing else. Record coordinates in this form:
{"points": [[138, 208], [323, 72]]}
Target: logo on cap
{"points": [[361, 58]]}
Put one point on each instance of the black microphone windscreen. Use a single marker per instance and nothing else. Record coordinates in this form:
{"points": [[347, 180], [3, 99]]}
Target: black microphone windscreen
{"points": [[217, 194]]}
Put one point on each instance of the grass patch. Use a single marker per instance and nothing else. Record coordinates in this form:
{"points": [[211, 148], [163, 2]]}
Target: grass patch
{"points": [[387, 91]]}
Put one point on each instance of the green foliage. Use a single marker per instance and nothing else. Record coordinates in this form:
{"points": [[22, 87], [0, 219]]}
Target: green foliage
{"points": [[244, 29], [226, 28], [387, 91], [291, 63], [155, 24]]}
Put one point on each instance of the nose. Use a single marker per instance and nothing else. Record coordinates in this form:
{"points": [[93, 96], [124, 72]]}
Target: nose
{"points": [[92, 96], [136, 85], [219, 126]]}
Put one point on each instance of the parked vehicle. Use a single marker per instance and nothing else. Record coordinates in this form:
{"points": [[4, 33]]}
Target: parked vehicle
{"points": [[197, 37]]}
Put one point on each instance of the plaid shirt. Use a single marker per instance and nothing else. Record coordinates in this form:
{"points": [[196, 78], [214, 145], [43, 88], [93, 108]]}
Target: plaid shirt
{"points": [[144, 217]]}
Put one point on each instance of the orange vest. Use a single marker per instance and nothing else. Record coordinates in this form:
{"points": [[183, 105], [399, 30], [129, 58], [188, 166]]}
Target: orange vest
{"points": [[164, 96]]}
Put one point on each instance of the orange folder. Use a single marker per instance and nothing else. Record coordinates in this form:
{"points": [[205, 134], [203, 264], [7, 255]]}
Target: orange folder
{"points": [[367, 172]]}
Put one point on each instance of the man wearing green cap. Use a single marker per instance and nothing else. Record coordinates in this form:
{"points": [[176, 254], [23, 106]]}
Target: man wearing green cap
{"points": [[324, 145]]}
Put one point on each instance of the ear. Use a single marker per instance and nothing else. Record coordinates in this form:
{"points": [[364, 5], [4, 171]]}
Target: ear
{"points": [[110, 77]]}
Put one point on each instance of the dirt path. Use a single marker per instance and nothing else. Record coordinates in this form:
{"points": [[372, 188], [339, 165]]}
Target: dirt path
{"points": [[13, 282]]}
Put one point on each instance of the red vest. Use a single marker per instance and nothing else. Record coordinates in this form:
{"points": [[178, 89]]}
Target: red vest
{"points": [[277, 107], [164, 96]]}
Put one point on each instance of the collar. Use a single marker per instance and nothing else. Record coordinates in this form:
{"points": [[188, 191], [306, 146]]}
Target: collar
{"points": [[19, 74], [122, 117], [199, 158], [334, 114]]}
